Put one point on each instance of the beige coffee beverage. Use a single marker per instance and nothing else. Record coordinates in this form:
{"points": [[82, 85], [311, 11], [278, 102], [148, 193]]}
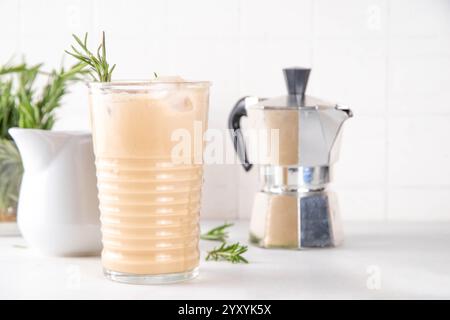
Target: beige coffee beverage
{"points": [[149, 203]]}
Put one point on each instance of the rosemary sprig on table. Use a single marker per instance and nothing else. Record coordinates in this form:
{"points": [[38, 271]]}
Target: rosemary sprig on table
{"points": [[217, 234], [225, 252], [98, 64], [232, 253]]}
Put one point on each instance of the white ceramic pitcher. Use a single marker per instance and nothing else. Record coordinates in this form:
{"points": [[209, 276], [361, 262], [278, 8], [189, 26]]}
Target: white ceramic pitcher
{"points": [[58, 206]]}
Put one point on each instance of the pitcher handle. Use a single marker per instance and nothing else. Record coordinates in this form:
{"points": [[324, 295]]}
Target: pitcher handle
{"points": [[234, 124]]}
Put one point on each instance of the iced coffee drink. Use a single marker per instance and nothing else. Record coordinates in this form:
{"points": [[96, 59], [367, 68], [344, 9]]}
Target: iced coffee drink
{"points": [[149, 203]]}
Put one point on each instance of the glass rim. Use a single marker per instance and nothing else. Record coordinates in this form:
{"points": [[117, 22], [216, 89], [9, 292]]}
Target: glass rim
{"points": [[143, 83]]}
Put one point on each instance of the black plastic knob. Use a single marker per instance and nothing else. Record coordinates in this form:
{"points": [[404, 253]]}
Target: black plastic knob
{"points": [[296, 80]]}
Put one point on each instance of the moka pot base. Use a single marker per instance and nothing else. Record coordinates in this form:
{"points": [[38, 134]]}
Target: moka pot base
{"points": [[296, 220], [294, 209]]}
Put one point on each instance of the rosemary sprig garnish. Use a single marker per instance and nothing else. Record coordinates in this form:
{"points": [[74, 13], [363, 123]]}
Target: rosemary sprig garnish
{"points": [[232, 253], [217, 234], [99, 68]]}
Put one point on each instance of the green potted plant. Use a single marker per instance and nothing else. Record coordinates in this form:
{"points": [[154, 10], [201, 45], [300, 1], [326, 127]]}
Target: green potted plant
{"points": [[23, 104]]}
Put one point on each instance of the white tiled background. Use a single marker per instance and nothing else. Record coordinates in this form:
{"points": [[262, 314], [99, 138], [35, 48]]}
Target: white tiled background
{"points": [[388, 60]]}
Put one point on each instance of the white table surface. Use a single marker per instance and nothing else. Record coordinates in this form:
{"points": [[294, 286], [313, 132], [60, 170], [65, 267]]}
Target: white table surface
{"points": [[377, 261]]}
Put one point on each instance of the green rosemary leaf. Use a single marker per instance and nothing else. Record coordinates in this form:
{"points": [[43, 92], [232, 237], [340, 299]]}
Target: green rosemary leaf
{"points": [[111, 71], [217, 234], [228, 252], [103, 46], [99, 67], [10, 174], [7, 68]]}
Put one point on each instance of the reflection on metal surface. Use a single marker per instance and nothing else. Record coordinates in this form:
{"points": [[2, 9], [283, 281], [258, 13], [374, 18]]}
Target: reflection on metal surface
{"points": [[282, 179]]}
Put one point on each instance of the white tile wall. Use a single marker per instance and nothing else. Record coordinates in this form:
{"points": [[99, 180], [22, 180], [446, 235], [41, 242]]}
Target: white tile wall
{"points": [[388, 60], [204, 19], [362, 160], [420, 18], [350, 18], [267, 19], [9, 32], [419, 151]]}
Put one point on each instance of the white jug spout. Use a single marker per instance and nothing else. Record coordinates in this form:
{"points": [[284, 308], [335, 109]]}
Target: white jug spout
{"points": [[38, 148]]}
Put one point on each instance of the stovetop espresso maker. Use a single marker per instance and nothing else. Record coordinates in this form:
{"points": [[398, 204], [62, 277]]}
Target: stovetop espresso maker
{"points": [[294, 208]]}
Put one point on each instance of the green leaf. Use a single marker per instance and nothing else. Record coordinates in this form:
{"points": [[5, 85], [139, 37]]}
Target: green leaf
{"points": [[228, 252], [99, 67], [11, 171], [217, 234], [24, 105]]}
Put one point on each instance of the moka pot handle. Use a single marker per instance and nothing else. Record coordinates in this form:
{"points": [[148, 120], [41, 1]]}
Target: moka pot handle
{"points": [[234, 124]]}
